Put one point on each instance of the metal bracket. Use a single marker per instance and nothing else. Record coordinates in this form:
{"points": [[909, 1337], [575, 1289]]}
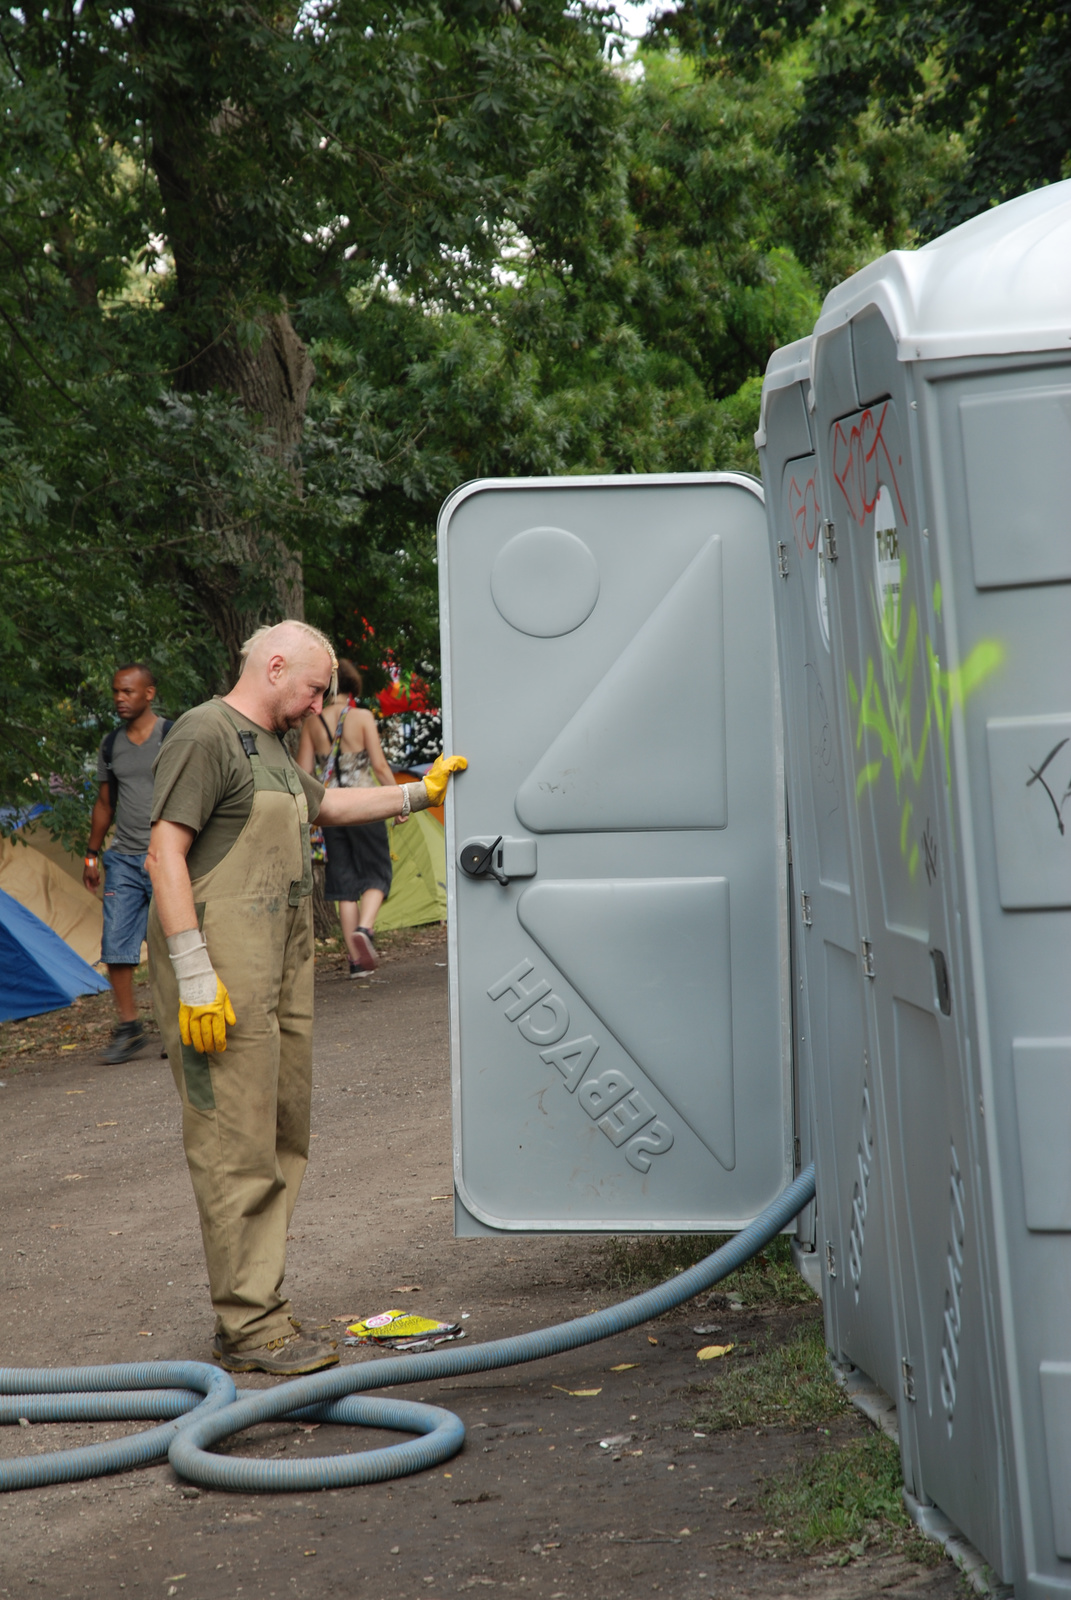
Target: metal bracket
{"points": [[831, 1259], [868, 959], [500, 858], [829, 529], [805, 908], [908, 1376], [782, 559]]}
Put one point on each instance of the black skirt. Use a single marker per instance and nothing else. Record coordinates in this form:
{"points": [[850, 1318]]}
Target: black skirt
{"points": [[358, 858]]}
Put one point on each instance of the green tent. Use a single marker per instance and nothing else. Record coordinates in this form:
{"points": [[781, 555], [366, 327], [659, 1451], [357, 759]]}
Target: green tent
{"points": [[418, 856]]}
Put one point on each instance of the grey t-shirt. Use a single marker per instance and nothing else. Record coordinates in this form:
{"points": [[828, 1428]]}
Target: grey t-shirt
{"points": [[132, 765]]}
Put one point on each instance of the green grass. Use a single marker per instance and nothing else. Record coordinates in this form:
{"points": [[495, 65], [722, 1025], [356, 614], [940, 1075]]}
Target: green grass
{"points": [[846, 1500], [786, 1386], [632, 1263]]}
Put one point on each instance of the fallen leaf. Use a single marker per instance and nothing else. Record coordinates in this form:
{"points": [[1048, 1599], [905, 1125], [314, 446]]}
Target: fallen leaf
{"points": [[308, 1427], [442, 1197], [711, 1352], [685, 1533], [107, 1124], [406, 1288], [650, 1340], [581, 1393], [72, 1047], [71, 1177], [115, 1233], [626, 1366]]}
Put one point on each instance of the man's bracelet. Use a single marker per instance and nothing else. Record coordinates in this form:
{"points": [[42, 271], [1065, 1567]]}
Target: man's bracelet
{"points": [[91, 858]]}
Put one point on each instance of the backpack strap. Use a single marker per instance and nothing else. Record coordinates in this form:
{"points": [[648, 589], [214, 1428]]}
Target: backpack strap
{"points": [[106, 751]]}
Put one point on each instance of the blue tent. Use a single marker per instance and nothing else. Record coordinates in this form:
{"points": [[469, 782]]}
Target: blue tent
{"points": [[38, 970]]}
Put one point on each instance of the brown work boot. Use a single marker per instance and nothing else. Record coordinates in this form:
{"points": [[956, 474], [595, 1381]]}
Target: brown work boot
{"points": [[287, 1357]]}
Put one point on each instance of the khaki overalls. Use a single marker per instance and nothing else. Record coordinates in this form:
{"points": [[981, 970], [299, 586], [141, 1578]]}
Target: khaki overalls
{"points": [[245, 1112]]}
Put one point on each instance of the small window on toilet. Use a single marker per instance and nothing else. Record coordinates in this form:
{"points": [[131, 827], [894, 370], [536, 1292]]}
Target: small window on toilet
{"points": [[887, 555]]}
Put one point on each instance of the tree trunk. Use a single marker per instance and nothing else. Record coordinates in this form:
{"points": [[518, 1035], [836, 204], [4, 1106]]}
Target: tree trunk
{"points": [[216, 290], [272, 382], [325, 923]]}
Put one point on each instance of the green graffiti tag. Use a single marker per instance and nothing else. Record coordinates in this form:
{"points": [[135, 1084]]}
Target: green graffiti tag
{"points": [[884, 709]]}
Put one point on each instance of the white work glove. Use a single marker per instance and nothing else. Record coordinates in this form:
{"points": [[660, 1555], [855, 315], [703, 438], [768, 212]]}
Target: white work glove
{"points": [[204, 1005]]}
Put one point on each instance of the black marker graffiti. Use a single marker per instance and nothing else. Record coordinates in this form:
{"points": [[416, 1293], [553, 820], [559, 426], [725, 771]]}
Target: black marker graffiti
{"points": [[1037, 776]]}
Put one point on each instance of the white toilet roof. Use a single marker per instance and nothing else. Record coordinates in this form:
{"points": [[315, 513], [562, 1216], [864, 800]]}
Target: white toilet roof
{"points": [[998, 284]]}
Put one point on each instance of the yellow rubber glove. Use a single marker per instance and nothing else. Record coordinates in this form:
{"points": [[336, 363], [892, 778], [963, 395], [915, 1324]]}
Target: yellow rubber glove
{"points": [[205, 1027], [438, 776]]}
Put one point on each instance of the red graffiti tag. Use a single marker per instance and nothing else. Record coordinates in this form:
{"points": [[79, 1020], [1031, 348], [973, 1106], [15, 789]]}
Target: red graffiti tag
{"points": [[862, 463], [804, 511]]}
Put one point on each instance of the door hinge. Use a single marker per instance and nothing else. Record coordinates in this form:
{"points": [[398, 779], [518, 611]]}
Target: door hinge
{"points": [[782, 559], [868, 959], [797, 1154], [829, 529], [788, 848], [805, 908], [908, 1373], [831, 1259]]}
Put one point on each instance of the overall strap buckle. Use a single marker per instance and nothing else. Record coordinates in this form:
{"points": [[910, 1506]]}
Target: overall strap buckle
{"points": [[248, 742]]}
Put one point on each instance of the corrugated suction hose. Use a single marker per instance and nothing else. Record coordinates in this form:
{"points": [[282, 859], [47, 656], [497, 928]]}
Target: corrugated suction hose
{"points": [[204, 1407]]}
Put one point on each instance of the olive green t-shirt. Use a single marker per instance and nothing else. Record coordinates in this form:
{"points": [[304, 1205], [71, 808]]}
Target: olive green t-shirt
{"points": [[203, 780]]}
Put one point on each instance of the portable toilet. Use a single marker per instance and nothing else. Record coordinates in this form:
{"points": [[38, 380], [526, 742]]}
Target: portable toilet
{"points": [[836, 1093], [941, 413]]}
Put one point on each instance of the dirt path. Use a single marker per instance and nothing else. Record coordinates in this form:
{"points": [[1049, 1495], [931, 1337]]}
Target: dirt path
{"points": [[100, 1261]]}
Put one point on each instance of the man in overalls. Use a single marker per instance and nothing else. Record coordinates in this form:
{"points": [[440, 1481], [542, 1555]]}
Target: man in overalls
{"points": [[231, 959]]}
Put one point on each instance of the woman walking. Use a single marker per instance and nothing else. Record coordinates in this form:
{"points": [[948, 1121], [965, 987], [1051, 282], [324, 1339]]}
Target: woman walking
{"points": [[341, 746]]}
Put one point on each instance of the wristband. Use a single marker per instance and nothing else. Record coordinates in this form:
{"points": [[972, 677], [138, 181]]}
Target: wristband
{"points": [[91, 855], [419, 799]]}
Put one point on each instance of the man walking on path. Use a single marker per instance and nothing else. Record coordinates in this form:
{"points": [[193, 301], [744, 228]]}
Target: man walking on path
{"points": [[231, 956], [124, 772]]}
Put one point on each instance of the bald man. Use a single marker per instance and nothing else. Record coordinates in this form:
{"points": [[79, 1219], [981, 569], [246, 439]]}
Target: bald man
{"points": [[231, 957]]}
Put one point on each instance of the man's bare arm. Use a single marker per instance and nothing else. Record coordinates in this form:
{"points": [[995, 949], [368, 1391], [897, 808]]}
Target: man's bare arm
{"points": [[169, 845], [100, 822], [344, 808]]}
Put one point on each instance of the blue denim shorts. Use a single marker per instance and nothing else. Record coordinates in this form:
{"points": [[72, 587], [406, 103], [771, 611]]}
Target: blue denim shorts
{"points": [[127, 892]]}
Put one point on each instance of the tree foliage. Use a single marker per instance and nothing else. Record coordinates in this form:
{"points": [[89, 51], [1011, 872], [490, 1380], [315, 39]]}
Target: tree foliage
{"points": [[275, 278], [994, 78], [175, 176]]}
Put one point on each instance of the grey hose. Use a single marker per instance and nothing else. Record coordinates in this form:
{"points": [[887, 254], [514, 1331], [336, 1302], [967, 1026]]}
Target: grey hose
{"points": [[334, 1396]]}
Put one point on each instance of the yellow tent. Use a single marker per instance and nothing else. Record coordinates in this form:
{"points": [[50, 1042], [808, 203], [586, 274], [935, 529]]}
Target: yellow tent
{"points": [[52, 892], [418, 856]]}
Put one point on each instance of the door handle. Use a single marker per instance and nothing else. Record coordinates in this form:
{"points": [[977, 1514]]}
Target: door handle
{"points": [[500, 858]]}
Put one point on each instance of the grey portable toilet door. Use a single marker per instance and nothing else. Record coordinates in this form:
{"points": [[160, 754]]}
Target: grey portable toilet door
{"points": [[886, 609], [615, 855], [857, 1289]]}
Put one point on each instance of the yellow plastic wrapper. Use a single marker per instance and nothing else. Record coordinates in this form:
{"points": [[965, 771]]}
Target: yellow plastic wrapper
{"points": [[402, 1330]]}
